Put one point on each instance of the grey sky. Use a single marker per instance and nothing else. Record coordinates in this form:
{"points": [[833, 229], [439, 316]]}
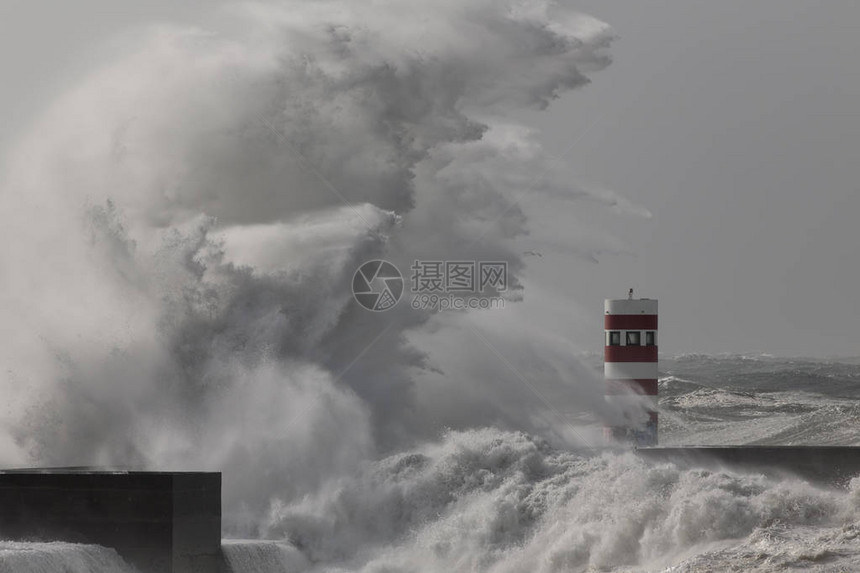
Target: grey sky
{"points": [[734, 123]]}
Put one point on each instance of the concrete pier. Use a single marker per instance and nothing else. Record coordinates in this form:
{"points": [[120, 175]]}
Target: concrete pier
{"points": [[159, 522], [833, 465]]}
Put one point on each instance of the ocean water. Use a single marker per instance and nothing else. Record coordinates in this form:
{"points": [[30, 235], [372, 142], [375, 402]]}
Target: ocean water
{"points": [[759, 400], [488, 500]]}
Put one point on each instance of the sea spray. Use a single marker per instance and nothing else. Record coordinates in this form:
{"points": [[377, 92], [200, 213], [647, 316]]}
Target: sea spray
{"points": [[181, 230], [59, 557], [256, 556], [487, 500]]}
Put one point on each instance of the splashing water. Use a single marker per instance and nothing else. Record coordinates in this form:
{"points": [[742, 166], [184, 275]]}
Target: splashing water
{"points": [[59, 558], [262, 557], [183, 226], [486, 500]]}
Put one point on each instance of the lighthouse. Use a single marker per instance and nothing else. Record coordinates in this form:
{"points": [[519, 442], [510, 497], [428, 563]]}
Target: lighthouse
{"points": [[630, 366]]}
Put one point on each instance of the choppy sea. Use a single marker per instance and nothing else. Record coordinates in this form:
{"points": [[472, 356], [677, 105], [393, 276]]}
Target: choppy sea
{"points": [[488, 500]]}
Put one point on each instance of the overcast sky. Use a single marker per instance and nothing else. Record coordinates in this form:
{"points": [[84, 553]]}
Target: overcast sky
{"points": [[737, 125], [734, 123]]}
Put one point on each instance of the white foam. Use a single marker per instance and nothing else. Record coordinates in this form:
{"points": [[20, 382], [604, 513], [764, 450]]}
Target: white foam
{"points": [[500, 502], [258, 556], [59, 557]]}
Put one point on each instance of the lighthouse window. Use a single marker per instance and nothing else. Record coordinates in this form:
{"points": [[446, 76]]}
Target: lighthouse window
{"points": [[650, 338], [633, 338], [615, 338]]}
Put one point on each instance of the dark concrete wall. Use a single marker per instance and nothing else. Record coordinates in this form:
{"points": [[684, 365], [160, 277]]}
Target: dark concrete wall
{"points": [[160, 522], [833, 465]]}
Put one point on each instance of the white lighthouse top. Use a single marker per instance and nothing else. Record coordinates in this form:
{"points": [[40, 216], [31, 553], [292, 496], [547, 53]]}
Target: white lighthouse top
{"points": [[630, 306]]}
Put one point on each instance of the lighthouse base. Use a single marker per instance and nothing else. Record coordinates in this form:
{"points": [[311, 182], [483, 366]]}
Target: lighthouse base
{"points": [[834, 465]]}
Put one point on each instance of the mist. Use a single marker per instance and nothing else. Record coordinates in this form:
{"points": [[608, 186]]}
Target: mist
{"points": [[181, 228]]}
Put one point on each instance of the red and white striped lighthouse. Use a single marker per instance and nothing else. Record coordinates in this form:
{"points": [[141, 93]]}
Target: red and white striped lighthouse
{"points": [[630, 364]]}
